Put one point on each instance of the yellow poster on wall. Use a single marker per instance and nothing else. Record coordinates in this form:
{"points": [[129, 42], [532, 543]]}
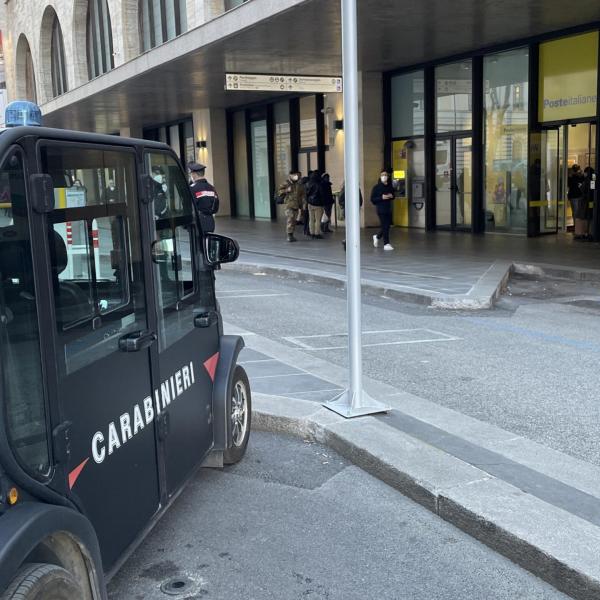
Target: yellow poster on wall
{"points": [[568, 78]]}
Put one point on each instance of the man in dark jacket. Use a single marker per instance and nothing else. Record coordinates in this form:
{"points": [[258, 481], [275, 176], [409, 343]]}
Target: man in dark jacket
{"points": [[206, 199], [382, 197], [328, 202], [314, 199]]}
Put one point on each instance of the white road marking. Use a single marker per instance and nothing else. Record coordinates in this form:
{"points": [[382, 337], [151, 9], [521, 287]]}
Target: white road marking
{"points": [[251, 296], [260, 360], [434, 336], [305, 374]]}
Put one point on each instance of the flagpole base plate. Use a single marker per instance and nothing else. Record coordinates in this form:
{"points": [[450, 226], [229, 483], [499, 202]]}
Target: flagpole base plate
{"points": [[343, 405]]}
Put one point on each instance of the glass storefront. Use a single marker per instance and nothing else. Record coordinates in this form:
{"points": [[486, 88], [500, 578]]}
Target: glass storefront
{"points": [[494, 160], [505, 114]]}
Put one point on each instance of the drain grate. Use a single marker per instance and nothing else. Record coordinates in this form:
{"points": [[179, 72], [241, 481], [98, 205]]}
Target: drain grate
{"points": [[176, 586]]}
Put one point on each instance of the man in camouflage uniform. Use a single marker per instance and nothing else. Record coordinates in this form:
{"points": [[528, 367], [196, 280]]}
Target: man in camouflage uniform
{"points": [[292, 193]]}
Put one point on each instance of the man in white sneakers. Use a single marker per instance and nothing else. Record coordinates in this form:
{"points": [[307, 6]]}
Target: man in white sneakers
{"points": [[382, 196]]}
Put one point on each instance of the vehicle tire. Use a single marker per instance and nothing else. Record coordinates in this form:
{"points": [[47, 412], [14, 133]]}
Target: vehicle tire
{"points": [[239, 417], [38, 581]]}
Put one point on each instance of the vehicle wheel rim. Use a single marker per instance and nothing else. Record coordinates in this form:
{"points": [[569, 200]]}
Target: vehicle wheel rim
{"points": [[239, 413]]}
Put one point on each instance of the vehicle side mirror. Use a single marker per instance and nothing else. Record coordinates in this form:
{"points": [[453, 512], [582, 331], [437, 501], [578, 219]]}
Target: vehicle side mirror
{"points": [[220, 249]]}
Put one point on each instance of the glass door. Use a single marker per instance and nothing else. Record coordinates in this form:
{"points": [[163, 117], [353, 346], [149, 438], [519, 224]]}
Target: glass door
{"points": [[443, 183], [463, 186], [454, 182], [551, 179]]}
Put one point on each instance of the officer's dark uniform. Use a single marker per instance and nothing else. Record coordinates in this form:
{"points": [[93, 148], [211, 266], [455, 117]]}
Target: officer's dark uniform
{"points": [[206, 199]]}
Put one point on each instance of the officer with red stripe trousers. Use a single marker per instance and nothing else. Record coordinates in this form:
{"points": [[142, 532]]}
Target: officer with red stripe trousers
{"points": [[206, 199]]}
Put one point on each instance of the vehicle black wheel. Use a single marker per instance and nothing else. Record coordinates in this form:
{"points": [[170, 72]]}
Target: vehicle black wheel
{"points": [[240, 417], [37, 581]]}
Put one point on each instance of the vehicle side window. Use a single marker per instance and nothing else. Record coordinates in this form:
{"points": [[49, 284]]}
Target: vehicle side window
{"points": [[90, 233], [23, 388], [176, 250]]}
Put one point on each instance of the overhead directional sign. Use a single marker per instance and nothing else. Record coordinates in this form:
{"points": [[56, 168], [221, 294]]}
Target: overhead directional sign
{"points": [[281, 83]]}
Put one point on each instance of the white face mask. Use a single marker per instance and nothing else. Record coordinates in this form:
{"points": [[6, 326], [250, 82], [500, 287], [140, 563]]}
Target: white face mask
{"points": [[384, 179], [158, 178], [294, 177]]}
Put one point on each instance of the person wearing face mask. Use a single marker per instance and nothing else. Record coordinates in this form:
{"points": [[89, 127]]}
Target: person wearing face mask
{"points": [[159, 192], [382, 197], [291, 193], [111, 195]]}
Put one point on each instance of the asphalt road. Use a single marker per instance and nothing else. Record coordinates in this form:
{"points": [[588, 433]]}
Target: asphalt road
{"points": [[293, 521], [529, 366]]}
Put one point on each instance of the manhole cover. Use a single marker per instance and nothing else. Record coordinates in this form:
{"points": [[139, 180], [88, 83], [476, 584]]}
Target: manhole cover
{"points": [[176, 586]]}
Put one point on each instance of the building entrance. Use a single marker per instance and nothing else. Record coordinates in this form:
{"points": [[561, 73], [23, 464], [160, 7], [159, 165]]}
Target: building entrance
{"points": [[562, 147], [454, 182]]}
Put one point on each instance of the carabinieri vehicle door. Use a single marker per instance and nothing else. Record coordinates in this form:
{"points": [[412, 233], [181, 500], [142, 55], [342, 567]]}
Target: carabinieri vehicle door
{"points": [[102, 341], [188, 328]]}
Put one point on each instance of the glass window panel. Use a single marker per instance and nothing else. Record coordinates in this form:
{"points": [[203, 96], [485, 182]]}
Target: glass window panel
{"points": [[408, 104], [240, 159], [57, 54], [260, 169], [99, 38], [23, 389], [174, 250], [93, 230], [506, 96], [453, 94], [308, 122]]}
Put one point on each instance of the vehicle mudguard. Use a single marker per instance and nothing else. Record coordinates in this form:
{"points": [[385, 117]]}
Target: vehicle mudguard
{"points": [[24, 526], [229, 348]]}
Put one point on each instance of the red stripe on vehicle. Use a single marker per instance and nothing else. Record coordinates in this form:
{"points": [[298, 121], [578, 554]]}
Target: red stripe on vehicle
{"points": [[211, 365], [76, 472]]}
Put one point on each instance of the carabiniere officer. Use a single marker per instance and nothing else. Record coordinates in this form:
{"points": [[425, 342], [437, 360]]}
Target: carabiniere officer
{"points": [[206, 199]]}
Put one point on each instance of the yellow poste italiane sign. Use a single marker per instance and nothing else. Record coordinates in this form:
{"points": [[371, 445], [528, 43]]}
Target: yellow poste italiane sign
{"points": [[568, 78]]}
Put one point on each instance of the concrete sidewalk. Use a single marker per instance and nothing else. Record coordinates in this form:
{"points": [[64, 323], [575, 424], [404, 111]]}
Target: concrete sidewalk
{"points": [[537, 506], [440, 269]]}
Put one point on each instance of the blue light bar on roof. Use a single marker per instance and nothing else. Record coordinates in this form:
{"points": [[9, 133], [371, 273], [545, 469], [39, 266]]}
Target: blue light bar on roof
{"points": [[21, 112]]}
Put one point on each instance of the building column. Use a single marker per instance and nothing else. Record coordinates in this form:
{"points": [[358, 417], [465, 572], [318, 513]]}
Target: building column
{"points": [[210, 125], [131, 132], [371, 140]]}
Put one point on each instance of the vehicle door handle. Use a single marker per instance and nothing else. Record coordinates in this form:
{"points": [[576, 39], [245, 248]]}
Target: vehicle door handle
{"points": [[206, 319], [136, 341]]}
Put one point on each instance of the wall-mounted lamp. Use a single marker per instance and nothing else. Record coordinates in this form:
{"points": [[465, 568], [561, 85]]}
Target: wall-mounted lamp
{"points": [[201, 144], [338, 125]]}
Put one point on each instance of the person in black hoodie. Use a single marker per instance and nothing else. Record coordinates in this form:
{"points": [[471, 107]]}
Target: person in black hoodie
{"points": [[314, 199], [328, 202], [382, 196]]}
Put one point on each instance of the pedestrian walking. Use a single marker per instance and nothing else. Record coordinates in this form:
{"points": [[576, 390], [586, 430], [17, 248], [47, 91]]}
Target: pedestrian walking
{"points": [[382, 196], [206, 199], [328, 203], [291, 195], [314, 200]]}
